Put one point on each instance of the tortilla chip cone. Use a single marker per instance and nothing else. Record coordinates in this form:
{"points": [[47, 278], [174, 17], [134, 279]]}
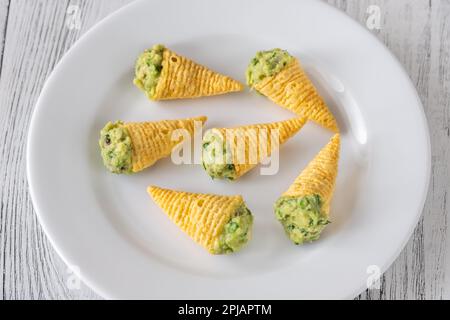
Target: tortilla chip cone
{"points": [[184, 78], [291, 89], [319, 177], [152, 141], [202, 216], [246, 140]]}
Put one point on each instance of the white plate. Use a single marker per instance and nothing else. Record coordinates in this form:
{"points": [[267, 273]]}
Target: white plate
{"points": [[126, 248]]}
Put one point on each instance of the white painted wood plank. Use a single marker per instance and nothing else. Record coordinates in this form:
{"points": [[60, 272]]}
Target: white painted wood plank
{"points": [[28, 264], [4, 9]]}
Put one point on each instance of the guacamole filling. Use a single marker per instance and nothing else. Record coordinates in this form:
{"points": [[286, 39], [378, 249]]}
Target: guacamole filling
{"points": [[266, 64], [148, 69], [236, 232], [217, 158], [302, 218], [115, 145]]}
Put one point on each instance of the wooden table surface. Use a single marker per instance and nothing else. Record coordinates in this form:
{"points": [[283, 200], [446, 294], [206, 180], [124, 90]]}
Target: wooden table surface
{"points": [[35, 34]]}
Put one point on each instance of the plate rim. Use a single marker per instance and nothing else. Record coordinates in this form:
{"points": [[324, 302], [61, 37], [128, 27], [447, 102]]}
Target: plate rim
{"points": [[122, 10]]}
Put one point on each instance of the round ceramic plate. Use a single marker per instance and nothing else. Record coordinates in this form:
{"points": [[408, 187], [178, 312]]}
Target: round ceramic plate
{"points": [[125, 247]]}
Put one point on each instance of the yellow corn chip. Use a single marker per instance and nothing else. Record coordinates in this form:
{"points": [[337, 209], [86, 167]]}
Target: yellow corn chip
{"points": [[202, 216], [152, 141], [246, 140], [183, 78]]}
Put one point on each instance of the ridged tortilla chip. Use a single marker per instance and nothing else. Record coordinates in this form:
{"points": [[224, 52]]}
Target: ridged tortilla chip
{"points": [[250, 136], [319, 177], [202, 216], [292, 89], [184, 78]]}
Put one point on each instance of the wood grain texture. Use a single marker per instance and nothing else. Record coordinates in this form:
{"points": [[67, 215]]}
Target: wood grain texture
{"points": [[34, 36]]}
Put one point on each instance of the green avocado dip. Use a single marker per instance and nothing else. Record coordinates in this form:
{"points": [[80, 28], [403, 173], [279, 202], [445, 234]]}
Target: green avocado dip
{"points": [[302, 218], [216, 157], [116, 148], [236, 232], [148, 70], [266, 64]]}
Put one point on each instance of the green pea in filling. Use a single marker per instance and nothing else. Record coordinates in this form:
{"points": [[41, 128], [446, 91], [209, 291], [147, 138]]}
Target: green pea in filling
{"points": [[116, 148], [217, 158], [236, 233], [148, 70], [302, 218], [266, 64]]}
